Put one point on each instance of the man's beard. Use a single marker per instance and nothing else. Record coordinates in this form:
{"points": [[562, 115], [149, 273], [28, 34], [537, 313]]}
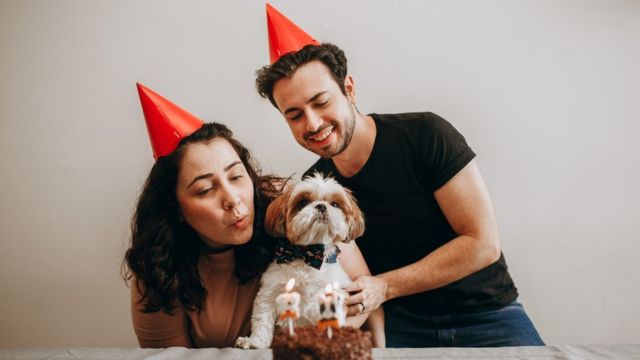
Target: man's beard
{"points": [[349, 126]]}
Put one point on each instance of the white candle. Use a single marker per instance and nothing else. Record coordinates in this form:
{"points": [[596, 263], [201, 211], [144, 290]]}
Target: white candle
{"points": [[339, 298], [288, 305], [332, 313]]}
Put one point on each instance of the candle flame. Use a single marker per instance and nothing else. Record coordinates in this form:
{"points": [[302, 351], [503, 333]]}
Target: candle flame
{"points": [[328, 289], [290, 284]]}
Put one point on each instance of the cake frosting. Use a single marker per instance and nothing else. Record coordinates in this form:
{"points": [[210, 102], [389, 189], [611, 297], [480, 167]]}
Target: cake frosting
{"points": [[309, 342]]}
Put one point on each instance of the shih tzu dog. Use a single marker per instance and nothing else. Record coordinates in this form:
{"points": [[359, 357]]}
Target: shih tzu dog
{"points": [[314, 216]]}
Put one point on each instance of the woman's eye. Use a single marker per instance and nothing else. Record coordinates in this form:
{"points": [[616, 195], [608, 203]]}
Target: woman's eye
{"points": [[335, 205], [234, 178], [204, 192], [323, 103]]}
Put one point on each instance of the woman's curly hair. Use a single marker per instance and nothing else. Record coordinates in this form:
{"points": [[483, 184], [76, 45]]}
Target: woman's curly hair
{"points": [[164, 252]]}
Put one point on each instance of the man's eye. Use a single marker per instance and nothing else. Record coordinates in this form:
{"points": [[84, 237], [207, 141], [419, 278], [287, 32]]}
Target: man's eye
{"points": [[296, 116], [323, 103]]}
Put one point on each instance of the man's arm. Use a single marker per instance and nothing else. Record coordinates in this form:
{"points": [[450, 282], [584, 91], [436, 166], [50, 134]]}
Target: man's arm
{"points": [[466, 204]]}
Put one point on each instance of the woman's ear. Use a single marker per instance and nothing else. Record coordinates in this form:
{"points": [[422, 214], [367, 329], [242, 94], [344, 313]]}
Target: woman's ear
{"points": [[355, 218], [275, 219]]}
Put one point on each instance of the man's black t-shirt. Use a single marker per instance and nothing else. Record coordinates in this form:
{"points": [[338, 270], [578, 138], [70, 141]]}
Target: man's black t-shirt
{"points": [[414, 154]]}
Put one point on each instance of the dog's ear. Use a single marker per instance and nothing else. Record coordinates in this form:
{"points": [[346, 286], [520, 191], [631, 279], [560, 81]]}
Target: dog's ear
{"points": [[355, 217], [275, 220]]}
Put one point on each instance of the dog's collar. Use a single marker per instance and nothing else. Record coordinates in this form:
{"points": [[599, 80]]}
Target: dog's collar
{"points": [[313, 255]]}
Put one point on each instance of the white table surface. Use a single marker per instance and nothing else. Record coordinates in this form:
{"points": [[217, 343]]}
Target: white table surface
{"points": [[621, 351]]}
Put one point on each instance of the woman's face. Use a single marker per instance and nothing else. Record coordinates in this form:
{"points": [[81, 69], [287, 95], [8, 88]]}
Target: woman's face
{"points": [[215, 193]]}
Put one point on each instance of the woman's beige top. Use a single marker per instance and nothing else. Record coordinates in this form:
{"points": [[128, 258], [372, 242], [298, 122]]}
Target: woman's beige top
{"points": [[225, 315]]}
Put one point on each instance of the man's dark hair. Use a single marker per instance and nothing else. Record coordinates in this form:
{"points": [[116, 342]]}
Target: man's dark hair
{"points": [[330, 55]]}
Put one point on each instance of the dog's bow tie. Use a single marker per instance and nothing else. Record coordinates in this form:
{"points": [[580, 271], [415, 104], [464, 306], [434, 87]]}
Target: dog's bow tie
{"points": [[313, 255]]}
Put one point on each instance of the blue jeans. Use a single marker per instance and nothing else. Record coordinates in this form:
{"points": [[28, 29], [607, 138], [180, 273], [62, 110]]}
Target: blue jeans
{"points": [[508, 326]]}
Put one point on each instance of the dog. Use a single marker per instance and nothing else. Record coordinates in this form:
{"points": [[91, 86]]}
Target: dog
{"points": [[314, 215]]}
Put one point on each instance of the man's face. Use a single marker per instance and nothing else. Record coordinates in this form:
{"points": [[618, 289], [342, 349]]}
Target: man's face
{"points": [[320, 116]]}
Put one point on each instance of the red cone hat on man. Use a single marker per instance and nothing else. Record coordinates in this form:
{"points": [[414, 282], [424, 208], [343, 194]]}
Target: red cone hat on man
{"points": [[284, 35], [167, 123]]}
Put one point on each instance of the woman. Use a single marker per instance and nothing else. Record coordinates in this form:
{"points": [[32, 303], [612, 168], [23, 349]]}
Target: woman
{"points": [[198, 246]]}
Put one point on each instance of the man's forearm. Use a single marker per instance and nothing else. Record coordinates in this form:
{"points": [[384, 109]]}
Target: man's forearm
{"points": [[456, 259]]}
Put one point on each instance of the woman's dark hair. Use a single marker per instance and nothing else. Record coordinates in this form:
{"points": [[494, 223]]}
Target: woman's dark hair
{"points": [[164, 252], [330, 55]]}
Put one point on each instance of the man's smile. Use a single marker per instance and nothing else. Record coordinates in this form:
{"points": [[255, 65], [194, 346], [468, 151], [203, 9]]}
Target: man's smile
{"points": [[322, 137]]}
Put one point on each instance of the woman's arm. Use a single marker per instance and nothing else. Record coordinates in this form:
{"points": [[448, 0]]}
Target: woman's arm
{"points": [[158, 329], [354, 265], [375, 324]]}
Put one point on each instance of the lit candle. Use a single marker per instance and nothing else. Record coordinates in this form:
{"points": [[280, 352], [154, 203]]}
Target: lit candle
{"points": [[288, 305], [332, 314], [341, 310]]}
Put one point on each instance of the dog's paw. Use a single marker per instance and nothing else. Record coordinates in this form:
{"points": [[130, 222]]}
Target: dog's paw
{"points": [[243, 342], [247, 342]]}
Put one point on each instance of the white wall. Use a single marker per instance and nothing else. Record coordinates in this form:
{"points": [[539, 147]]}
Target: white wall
{"points": [[546, 92]]}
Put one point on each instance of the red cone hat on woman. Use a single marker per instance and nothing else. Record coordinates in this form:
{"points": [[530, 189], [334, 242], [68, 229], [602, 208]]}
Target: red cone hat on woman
{"points": [[167, 123], [284, 35]]}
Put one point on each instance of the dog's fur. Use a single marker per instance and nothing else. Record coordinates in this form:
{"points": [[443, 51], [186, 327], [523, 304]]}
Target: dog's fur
{"points": [[298, 214]]}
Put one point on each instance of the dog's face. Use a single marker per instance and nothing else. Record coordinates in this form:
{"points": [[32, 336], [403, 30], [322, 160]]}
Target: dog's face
{"points": [[315, 211]]}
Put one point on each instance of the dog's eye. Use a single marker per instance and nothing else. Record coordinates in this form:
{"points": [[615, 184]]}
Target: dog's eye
{"points": [[335, 205], [303, 203]]}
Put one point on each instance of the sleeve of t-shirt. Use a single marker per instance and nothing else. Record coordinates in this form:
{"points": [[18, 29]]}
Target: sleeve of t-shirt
{"points": [[158, 329], [444, 151]]}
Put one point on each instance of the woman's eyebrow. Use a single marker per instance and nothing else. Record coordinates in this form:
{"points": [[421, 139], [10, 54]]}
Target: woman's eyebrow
{"points": [[200, 177], [232, 165], [209, 175]]}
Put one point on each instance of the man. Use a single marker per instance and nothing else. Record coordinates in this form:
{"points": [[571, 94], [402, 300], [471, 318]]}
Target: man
{"points": [[431, 237]]}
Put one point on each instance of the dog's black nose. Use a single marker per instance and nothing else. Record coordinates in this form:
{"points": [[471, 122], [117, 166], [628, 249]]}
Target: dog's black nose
{"points": [[321, 207]]}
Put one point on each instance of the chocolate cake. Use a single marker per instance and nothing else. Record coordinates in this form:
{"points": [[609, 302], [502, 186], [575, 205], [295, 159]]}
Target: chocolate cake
{"points": [[309, 342]]}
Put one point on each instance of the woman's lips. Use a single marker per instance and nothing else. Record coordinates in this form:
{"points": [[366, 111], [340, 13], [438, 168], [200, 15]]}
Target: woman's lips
{"points": [[240, 222]]}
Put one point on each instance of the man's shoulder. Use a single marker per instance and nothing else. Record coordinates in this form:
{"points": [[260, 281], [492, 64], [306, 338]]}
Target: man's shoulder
{"points": [[410, 120], [413, 126]]}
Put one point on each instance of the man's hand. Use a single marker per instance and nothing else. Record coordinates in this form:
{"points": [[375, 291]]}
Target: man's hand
{"points": [[366, 293]]}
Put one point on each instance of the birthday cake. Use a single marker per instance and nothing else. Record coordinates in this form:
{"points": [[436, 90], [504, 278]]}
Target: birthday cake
{"points": [[310, 342]]}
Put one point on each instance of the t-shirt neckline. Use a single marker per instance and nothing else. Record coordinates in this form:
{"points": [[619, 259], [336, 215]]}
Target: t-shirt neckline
{"points": [[366, 165]]}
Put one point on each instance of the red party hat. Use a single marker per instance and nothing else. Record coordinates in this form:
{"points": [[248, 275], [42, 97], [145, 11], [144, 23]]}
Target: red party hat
{"points": [[167, 123], [284, 35]]}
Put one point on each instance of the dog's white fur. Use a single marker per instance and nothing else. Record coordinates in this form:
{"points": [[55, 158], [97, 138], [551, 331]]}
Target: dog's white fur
{"points": [[297, 214]]}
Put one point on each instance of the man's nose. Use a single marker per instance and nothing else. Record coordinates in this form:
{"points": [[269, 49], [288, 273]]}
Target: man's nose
{"points": [[314, 121]]}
